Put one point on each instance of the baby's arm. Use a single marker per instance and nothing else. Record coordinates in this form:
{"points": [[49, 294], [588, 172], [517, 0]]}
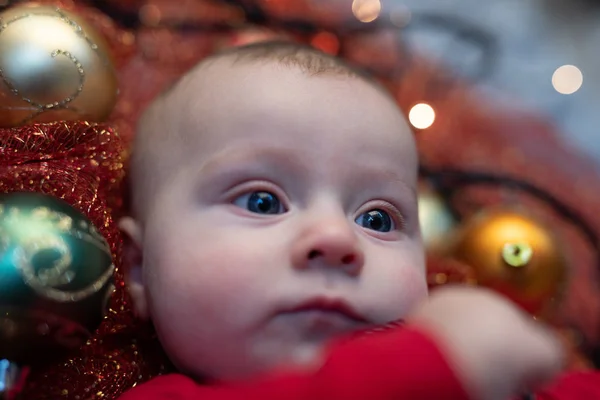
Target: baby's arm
{"points": [[397, 364], [496, 350]]}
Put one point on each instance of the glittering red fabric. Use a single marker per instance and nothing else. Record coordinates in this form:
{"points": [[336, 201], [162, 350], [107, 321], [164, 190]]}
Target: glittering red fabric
{"points": [[82, 164], [469, 132], [78, 162]]}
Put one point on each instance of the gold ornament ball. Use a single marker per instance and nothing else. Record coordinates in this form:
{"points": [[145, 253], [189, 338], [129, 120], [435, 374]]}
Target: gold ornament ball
{"points": [[515, 255], [53, 66]]}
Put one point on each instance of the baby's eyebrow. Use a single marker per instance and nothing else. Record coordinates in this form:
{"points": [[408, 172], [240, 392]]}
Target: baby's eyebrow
{"points": [[287, 161], [275, 158], [376, 173]]}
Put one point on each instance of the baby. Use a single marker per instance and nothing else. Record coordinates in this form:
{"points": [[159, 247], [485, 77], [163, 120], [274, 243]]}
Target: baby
{"points": [[275, 215]]}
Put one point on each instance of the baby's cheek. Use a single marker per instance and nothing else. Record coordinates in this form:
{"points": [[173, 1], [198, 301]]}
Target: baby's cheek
{"points": [[414, 287], [401, 291], [216, 277]]}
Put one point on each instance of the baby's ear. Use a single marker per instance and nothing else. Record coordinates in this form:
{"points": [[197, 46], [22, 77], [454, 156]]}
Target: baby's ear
{"points": [[133, 264]]}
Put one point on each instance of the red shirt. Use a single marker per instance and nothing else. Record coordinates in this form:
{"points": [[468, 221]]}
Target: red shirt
{"points": [[400, 364]]}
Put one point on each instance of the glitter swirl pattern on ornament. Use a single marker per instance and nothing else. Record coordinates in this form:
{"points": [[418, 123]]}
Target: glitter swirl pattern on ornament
{"points": [[43, 230], [53, 66]]}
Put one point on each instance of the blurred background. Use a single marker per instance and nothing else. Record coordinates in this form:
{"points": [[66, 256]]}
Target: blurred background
{"points": [[546, 57], [502, 96]]}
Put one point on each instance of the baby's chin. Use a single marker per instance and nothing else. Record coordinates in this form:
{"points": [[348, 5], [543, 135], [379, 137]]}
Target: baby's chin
{"points": [[309, 353], [298, 343], [301, 353], [257, 360], [302, 358]]}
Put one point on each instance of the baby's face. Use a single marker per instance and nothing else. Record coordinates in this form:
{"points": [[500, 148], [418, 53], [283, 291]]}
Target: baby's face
{"points": [[290, 220]]}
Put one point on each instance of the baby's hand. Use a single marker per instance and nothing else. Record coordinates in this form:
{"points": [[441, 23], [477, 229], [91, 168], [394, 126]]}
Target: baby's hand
{"points": [[496, 350]]}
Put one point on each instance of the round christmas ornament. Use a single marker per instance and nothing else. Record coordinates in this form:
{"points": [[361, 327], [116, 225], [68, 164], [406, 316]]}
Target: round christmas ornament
{"points": [[514, 254], [65, 75], [55, 270]]}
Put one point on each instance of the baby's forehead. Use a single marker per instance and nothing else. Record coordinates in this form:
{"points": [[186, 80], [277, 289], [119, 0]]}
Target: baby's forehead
{"points": [[216, 79], [222, 101], [226, 88]]}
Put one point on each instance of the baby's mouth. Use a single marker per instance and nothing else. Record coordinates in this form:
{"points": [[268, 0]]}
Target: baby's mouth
{"points": [[322, 317], [318, 325], [397, 324], [323, 307]]}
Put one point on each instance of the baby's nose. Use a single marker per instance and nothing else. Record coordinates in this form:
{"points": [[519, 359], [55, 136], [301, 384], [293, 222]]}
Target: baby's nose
{"points": [[330, 243]]}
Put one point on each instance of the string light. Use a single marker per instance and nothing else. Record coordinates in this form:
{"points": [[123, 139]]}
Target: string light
{"points": [[422, 116], [567, 79], [366, 10]]}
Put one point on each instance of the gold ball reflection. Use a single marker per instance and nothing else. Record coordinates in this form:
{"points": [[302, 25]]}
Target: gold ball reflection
{"points": [[515, 255], [53, 66]]}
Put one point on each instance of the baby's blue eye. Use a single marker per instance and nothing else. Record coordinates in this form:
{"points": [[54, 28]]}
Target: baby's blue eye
{"points": [[260, 203], [377, 220]]}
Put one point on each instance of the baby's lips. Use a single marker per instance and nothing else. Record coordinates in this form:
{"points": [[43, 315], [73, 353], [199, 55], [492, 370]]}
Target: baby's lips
{"points": [[380, 328]]}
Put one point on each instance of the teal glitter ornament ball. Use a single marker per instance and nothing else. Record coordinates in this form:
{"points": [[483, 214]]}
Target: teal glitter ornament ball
{"points": [[55, 273]]}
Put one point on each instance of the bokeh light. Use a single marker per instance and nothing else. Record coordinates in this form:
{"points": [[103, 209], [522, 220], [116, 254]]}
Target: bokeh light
{"points": [[422, 116], [150, 15], [567, 79], [366, 10]]}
